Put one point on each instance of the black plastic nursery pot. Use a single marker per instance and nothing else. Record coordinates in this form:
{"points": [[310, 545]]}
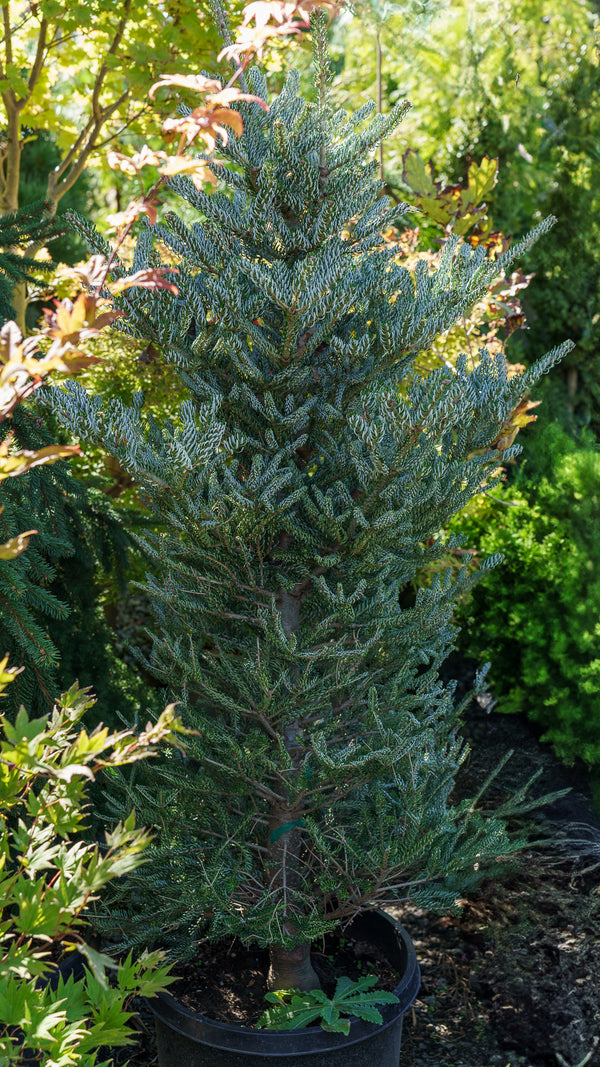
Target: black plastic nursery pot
{"points": [[188, 1039]]}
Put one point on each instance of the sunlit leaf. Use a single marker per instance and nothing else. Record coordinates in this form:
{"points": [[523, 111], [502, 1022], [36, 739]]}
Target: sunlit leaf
{"points": [[12, 548], [146, 279], [134, 210], [11, 466], [418, 175], [197, 82]]}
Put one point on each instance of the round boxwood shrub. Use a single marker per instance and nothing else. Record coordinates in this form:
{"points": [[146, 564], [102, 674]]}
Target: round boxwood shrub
{"points": [[536, 617]]}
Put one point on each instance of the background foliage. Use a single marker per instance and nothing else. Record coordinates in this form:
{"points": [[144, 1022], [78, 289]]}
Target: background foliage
{"points": [[535, 618], [519, 81]]}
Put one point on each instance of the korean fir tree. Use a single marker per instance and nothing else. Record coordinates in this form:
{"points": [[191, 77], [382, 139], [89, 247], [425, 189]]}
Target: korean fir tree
{"points": [[302, 483]]}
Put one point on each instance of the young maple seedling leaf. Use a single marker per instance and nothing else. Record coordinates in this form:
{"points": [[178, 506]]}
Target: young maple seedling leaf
{"points": [[293, 1009]]}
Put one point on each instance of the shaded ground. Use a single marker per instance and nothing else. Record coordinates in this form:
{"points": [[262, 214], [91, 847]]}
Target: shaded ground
{"points": [[514, 980]]}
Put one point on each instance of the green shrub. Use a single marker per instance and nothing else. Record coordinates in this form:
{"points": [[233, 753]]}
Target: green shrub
{"points": [[49, 875], [537, 617]]}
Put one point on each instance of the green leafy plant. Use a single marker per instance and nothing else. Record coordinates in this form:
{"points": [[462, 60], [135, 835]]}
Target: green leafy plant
{"points": [[49, 875], [537, 619], [293, 1009], [458, 208]]}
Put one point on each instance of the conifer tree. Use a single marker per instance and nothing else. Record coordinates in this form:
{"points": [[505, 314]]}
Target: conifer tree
{"points": [[50, 619], [48, 594], [302, 484], [33, 224]]}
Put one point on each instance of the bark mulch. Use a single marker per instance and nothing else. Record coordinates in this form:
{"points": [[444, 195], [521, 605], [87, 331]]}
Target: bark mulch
{"points": [[514, 979]]}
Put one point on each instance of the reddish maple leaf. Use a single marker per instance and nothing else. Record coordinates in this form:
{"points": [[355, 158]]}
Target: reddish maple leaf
{"points": [[121, 219], [146, 279], [132, 165], [272, 18], [186, 81]]}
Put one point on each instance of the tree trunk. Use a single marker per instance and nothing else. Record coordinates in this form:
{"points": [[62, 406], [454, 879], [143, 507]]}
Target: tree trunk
{"points": [[9, 197], [290, 968], [19, 302]]}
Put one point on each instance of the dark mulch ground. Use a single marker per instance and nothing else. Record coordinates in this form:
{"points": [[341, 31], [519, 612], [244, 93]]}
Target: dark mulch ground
{"points": [[514, 979]]}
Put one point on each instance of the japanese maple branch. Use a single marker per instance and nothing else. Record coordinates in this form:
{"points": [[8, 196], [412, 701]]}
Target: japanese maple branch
{"points": [[144, 110], [103, 70], [38, 62], [8, 53], [57, 188], [70, 168]]}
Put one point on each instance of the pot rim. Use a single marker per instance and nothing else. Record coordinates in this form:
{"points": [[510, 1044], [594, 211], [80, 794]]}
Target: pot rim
{"points": [[231, 1036]]}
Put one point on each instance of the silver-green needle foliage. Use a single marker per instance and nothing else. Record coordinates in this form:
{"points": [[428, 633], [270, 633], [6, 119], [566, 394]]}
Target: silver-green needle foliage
{"points": [[301, 485]]}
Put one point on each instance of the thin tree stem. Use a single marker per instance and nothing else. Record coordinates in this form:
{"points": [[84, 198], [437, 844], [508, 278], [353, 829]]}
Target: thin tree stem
{"points": [[379, 93]]}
